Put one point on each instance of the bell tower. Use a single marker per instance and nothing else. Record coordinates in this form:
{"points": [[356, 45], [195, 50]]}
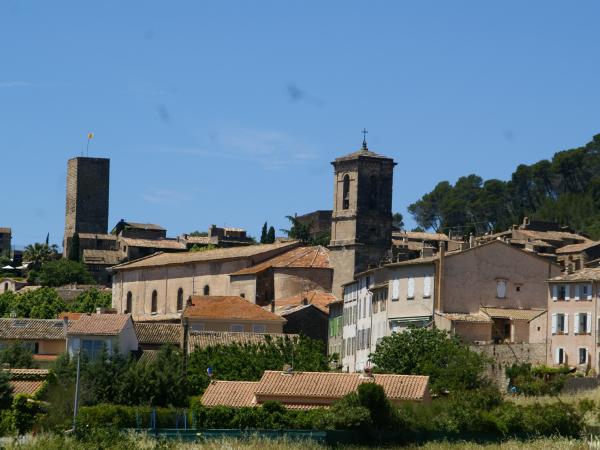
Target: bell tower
{"points": [[361, 223]]}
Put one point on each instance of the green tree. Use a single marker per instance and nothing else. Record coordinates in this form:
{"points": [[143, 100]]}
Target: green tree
{"points": [[271, 235], [199, 233], [37, 254], [74, 248], [64, 271], [450, 363], [398, 221], [7, 300], [263, 234], [17, 355], [90, 300], [6, 390], [249, 361], [43, 303]]}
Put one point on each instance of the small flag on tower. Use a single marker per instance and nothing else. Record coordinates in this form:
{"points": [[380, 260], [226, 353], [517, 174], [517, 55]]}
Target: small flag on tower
{"points": [[90, 135]]}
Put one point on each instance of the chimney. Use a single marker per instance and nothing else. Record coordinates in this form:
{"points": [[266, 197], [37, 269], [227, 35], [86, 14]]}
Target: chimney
{"points": [[305, 301], [98, 310], [272, 306]]}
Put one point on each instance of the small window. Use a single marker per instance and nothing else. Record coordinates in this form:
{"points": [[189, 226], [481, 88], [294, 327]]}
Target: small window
{"points": [[583, 358], [410, 290], [501, 288], [129, 303], [560, 356], [206, 290], [154, 303], [257, 328], [427, 287], [236, 328], [518, 288], [242, 295], [180, 299], [91, 347], [346, 192]]}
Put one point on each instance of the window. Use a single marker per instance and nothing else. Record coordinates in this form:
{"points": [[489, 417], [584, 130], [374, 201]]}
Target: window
{"points": [[583, 355], [560, 292], [154, 304], [559, 356], [236, 328], [242, 295], [583, 323], [346, 192], [518, 288], [427, 287], [129, 303], [179, 299], [410, 289], [258, 328], [560, 323], [395, 290], [501, 288], [586, 292], [92, 348], [206, 290]]}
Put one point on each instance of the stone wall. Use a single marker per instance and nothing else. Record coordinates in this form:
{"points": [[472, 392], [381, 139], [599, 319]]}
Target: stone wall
{"points": [[504, 355]]}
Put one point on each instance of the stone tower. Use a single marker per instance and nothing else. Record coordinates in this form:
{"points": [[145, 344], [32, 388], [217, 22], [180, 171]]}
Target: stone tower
{"points": [[361, 223], [87, 197]]}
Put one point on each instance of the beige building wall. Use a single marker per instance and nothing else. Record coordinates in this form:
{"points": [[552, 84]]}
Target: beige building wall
{"points": [[538, 329], [198, 324], [469, 279], [570, 341], [243, 286], [418, 306], [292, 281], [472, 332], [45, 347]]}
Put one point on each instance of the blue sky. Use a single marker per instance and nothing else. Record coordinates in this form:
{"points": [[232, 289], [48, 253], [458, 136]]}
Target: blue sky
{"points": [[229, 112]]}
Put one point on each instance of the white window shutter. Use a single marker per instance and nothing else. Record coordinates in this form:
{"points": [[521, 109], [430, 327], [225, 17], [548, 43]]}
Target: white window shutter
{"points": [[567, 292], [427, 286], [588, 323], [554, 292], [577, 290], [576, 324], [566, 330], [589, 292], [556, 351], [554, 323], [395, 289], [411, 287]]}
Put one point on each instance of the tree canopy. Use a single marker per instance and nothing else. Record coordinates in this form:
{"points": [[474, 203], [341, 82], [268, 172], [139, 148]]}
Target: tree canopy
{"points": [[64, 271], [450, 364], [565, 189], [90, 300]]}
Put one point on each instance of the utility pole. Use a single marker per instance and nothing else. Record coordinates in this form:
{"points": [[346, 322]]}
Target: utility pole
{"points": [[76, 405]]}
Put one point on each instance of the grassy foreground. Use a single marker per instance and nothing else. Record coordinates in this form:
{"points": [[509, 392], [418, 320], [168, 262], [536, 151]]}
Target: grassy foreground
{"points": [[56, 442]]}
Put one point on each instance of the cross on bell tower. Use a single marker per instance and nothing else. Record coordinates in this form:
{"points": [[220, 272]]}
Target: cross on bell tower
{"points": [[364, 143]]}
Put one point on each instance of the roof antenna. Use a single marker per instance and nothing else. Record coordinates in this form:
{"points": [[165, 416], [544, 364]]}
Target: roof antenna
{"points": [[364, 143]]}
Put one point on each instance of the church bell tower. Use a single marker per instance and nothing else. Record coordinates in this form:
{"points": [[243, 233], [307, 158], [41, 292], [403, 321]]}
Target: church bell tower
{"points": [[361, 223]]}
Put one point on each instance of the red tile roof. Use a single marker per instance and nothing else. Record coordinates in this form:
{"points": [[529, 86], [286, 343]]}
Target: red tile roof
{"points": [[230, 393], [314, 257], [204, 339], [320, 299], [100, 324], [227, 308]]}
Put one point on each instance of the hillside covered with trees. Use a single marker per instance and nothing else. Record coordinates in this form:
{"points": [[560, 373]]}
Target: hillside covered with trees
{"points": [[565, 189]]}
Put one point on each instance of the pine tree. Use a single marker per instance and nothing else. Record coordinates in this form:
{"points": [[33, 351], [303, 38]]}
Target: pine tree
{"points": [[263, 234], [271, 235]]}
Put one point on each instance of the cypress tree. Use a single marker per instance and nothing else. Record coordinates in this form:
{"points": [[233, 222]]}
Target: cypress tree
{"points": [[74, 249], [263, 234], [271, 235]]}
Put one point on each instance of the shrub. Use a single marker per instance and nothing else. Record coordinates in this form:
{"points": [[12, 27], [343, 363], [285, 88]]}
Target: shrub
{"points": [[539, 380]]}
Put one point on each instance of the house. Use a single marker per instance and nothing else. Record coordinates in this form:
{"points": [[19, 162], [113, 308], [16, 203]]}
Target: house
{"points": [[218, 237], [306, 313], [160, 284], [573, 314], [153, 335], [489, 293], [205, 339], [92, 332], [230, 313], [306, 390], [291, 273], [45, 338], [11, 284], [577, 256]]}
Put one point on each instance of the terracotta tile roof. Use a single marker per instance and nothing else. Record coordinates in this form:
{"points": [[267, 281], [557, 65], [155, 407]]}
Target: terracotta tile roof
{"points": [[204, 339], [101, 236], [28, 374], [162, 259], [587, 274], [478, 317], [170, 244], [27, 387], [100, 324], [197, 240], [320, 299], [102, 257], [227, 308], [550, 235], [27, 381], [576, 248], [158, 333], [148, 356], [150, 317], [236, 394], [306, 387], [314, 257], [513, 313], [29, 329], [45, 358], [70, 315], [416, 261], [420, 236], [143, 226]]}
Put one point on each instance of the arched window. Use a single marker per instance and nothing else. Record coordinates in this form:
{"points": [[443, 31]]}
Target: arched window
{"points": [[346, 192], [373, 192], [179, 299], [206, 290], [129, 303], [154, 304]]}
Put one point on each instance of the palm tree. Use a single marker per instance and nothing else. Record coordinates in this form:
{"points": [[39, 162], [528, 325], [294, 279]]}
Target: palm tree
{"points": [[37, 254]]}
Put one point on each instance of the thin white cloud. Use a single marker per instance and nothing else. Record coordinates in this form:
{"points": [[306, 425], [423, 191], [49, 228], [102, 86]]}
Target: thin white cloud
{"points": [[14, 84]]}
